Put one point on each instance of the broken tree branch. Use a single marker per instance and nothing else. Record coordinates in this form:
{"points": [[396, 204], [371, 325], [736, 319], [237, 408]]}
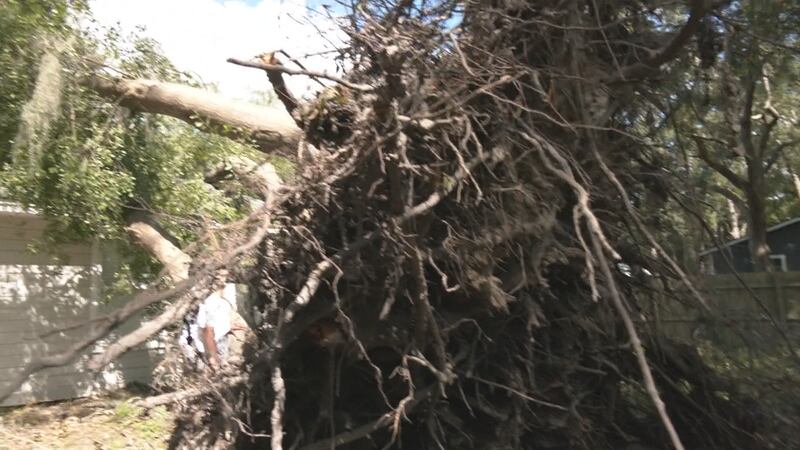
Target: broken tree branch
{"points": [[145, 233], [181, 307], [102, 327], [279, 85]]}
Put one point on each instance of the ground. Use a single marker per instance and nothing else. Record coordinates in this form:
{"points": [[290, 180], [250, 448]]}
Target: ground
{"points": [[109, 422]]}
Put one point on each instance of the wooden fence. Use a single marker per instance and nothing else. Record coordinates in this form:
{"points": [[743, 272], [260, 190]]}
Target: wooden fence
{"points": [[740, 315]]}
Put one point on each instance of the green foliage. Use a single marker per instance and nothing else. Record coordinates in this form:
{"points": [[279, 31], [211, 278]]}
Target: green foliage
{"points": [[748, 41], [99, 162], [24, 23], [770, 376]]}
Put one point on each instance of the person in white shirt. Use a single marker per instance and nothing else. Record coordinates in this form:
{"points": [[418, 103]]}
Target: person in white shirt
{"points": [[206, 335]]}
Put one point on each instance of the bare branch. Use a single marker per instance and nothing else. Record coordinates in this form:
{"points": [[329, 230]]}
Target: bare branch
{"points": [[643, 69], [181, 307], [643, 228], [600, 246], [102, 327], [638, 348], [174, 312], [308, 73], [723, 170]]}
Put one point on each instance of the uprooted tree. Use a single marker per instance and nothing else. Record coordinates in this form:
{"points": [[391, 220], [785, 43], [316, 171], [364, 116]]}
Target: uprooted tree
{"points": [[465, 251]]}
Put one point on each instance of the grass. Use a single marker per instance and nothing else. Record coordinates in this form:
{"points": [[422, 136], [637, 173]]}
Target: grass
{"points": [[110, 422]]}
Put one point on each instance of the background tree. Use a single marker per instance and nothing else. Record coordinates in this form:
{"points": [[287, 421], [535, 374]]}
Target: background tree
{"points": [[737, 113]]}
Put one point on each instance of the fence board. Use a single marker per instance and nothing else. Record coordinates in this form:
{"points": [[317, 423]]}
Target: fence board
{"points": [[737, 318]]}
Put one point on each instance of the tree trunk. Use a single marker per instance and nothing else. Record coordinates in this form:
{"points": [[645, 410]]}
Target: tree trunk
{"points": [[736, 231], [757, 217], [272, 130], [795, 181], [146, 235]]}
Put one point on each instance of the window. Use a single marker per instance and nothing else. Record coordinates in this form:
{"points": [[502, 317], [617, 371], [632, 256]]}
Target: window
{"points": [[778, 263]]}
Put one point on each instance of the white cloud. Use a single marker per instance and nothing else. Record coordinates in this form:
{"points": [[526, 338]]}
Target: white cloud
{"points": [[199, 35]]}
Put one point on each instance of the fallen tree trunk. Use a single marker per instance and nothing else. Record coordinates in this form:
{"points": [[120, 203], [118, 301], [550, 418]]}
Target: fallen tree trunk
{"points": [[147, 235], [270, 130]]}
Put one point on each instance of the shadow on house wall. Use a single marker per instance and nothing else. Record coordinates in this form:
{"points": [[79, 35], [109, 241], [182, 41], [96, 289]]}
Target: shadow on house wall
{"points": [[40, 293]]}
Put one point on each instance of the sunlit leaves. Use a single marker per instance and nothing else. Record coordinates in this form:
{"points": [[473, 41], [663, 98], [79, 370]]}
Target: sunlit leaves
{"points": [[100, 161]]}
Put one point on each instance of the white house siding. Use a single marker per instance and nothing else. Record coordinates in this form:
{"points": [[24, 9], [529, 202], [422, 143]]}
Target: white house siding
{"points": [[41, 293]]}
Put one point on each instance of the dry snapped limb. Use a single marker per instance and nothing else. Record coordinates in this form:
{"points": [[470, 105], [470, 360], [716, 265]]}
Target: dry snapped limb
{"points": [[279, 85], [175, 261], [181, 307]]}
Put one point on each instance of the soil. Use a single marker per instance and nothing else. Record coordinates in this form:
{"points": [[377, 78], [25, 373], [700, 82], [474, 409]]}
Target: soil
{"points": [[108, 422]]}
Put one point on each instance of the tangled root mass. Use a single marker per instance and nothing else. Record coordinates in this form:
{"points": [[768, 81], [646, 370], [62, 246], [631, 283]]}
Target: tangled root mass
{"points": [[449, 272]]}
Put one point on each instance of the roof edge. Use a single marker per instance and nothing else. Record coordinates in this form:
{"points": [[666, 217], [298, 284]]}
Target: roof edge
{"points": [[745, 239]]}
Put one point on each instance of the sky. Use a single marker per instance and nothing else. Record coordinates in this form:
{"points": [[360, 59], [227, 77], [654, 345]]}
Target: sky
{"points": [[199, 35]]}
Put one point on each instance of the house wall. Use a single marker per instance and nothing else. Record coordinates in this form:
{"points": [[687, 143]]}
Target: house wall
{"points": [[739, 255], [41, 293], [783, 241]]}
